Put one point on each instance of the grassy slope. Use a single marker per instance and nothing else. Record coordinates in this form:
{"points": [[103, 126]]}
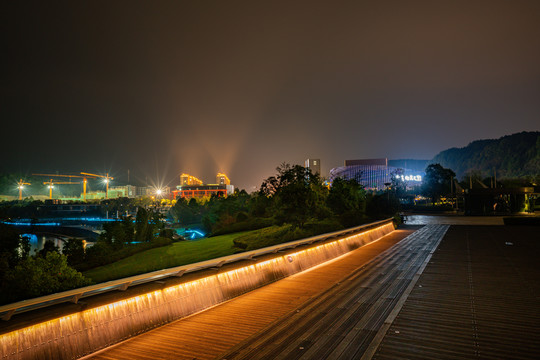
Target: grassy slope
{"points": [[180, 253], [188, 252]]}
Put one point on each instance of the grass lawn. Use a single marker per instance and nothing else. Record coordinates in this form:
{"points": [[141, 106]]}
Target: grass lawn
{"points": [[176, 254]]}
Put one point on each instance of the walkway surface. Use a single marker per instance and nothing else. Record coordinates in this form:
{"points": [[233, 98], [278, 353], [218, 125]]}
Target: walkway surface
{"points": [[210, 333], [479, 297], [453, 220], [347, 320], [442, 292]]}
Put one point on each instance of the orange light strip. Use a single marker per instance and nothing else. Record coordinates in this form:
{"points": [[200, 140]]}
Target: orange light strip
{"points": [[89, 330]]}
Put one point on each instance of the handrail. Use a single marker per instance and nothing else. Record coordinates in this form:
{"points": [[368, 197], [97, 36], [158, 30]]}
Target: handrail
{"points": [[7, 311]]}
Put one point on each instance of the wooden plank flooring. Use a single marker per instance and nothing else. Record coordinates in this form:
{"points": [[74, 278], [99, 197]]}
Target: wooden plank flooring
{"points": [[341, 322], [479, 297], [215, 331]]}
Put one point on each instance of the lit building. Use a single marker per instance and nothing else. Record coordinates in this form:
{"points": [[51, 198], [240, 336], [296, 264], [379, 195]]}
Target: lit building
{"points": [[129, 191], [314, 165], [222, 179], [199, 191], [144, 191], [191, 187], [374, 174], [188, 180]]}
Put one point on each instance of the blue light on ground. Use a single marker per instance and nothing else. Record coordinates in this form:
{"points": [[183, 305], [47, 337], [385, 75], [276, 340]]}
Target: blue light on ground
{"points": [[191, 234], [30, 223], [51, 222]]}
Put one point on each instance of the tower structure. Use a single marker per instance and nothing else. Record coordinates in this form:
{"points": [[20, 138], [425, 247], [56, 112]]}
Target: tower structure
{"points": [[314, 165]]}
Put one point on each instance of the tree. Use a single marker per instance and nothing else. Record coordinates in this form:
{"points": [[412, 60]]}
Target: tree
{"points": [[142, 226], [347, 200], [271, 185], [398, 186], [118, 233], [382, 205], [10, 242], [436, 182], [147, 224], [187, 213], [48, 247], [41, 275], [295, 194], [73, 249]]}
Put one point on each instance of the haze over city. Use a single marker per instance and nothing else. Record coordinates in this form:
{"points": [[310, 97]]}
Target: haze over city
{"points": [[270, 179], [239, 87]]}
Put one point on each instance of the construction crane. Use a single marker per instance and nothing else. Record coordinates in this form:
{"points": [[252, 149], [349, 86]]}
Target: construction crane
{"points": [[105, 178], [84, 181], [51, 184], [20, 185]]}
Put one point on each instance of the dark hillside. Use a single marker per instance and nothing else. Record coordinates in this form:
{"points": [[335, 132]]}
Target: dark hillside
{"points": [[516, 155]]}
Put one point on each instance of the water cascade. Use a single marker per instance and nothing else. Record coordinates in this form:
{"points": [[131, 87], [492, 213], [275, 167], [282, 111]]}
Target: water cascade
{"points": [[87, 331]]}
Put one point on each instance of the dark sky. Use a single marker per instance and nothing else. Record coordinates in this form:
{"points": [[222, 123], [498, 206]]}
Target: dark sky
{"points": [[162, 88]]}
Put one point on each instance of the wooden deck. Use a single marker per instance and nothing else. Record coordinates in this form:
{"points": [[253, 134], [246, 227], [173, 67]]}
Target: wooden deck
{"points": [[216, 331], [473, 294], [479, 297], [343, 322]]}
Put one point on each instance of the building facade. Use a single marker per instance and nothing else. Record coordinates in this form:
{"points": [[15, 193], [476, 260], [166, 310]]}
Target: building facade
{"points": [[191, 187], [222, 179], [188, 180], [374, 174], [314, 165], [199, 191]]}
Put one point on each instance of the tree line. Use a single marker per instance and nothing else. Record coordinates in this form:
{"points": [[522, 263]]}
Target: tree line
{"points": [[511, 156], [294, 195], [24, 275]]}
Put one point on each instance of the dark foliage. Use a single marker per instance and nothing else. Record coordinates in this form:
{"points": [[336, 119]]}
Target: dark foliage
{"points": [[40, 275], [436, 182], [516, 155]]}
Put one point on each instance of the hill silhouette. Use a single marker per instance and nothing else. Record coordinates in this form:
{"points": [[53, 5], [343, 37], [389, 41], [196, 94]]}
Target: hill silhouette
{"points": [[516, 155]]}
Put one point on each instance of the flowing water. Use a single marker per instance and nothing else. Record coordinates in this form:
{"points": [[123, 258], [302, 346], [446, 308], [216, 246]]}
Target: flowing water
{"points": [[87, 331]]}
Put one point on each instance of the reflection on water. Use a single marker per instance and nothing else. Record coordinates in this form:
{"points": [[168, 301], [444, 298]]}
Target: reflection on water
{"points": [[38, 241]]}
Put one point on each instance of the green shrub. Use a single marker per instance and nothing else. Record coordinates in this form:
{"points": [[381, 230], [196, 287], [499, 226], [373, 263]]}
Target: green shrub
{"points": [[274, 235]]}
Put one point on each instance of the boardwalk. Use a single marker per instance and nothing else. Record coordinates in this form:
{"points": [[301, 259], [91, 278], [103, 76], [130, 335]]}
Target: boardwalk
{"points": [[208, 334], [479, 297], [342, 322], [444, 292]]}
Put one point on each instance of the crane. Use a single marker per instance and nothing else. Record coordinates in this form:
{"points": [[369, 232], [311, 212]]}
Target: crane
{"points": [[105, 178], [20, 185], [51, 184], [84, 181]]}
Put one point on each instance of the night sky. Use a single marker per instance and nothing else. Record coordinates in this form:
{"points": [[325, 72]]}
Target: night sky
{"points": [[162, 88]]}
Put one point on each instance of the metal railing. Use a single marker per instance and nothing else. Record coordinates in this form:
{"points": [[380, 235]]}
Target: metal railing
{"points": [[7, 311]]}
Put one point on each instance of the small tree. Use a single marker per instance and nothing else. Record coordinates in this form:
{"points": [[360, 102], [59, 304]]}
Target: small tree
{"points": [[347, 200], [48, 247], [296, 196], [38, 275], [436, 182], [73, 249]]}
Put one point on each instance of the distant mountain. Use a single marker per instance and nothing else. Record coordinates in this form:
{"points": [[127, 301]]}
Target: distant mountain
{"points": [[514, 155]]}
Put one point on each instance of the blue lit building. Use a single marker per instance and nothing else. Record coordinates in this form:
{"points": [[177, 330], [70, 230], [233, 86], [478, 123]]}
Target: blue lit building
{"points": [[373, 174]]}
